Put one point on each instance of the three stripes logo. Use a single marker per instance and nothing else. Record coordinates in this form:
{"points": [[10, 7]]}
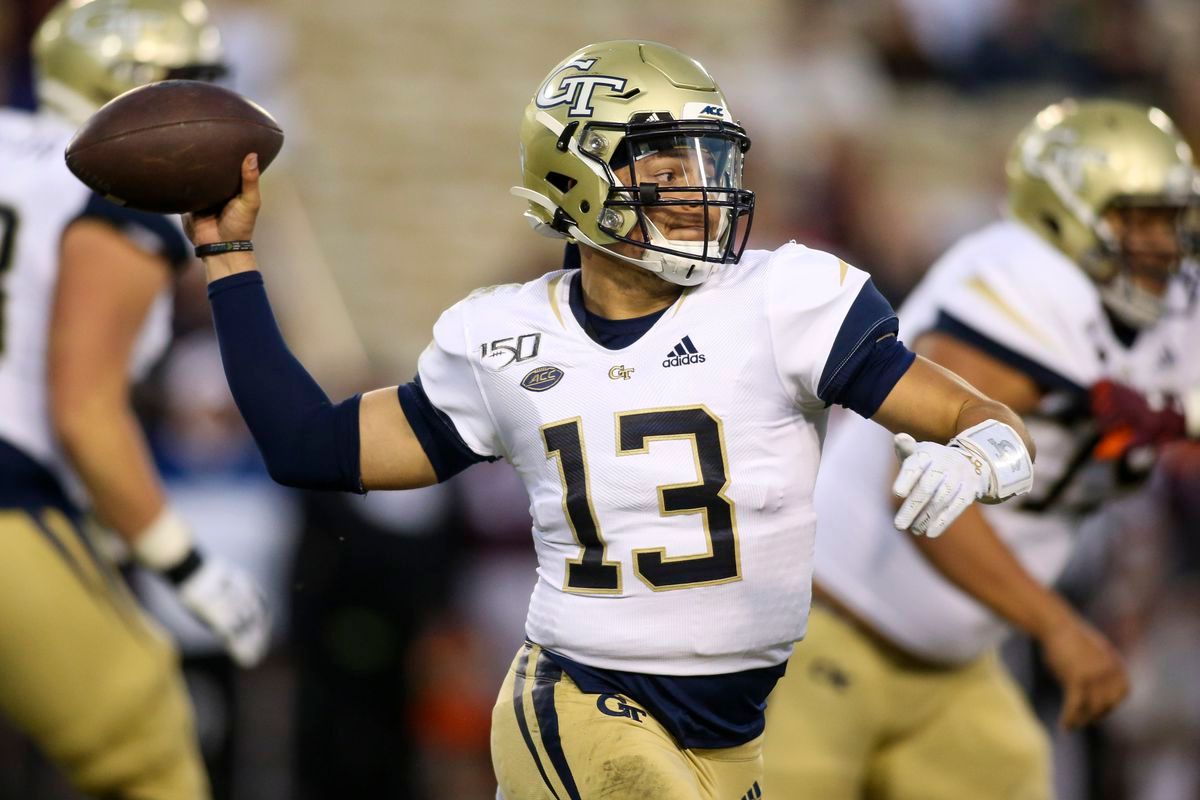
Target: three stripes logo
{"points": [[754, 794], [684, 353]]}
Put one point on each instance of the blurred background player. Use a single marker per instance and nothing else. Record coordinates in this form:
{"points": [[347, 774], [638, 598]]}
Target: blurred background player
{"points": [[1080, 312], [85, 308]]}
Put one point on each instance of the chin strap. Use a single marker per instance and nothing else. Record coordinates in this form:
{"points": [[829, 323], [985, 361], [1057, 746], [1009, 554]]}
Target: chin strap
{"points": [[671, 268], [1133, 304]]}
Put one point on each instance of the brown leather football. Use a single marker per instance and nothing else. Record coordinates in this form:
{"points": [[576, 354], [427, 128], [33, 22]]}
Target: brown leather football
{"points": [[173, 147]]}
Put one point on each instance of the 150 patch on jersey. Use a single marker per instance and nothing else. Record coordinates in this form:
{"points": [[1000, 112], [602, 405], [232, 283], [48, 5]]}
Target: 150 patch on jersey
{"points": [[511, 350]]}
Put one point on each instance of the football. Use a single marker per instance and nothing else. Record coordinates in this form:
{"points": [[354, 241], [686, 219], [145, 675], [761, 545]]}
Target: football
{"points": [[172, 147]]}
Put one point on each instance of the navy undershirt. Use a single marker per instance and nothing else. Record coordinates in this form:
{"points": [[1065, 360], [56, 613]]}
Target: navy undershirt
{"points": [[704, 711]]}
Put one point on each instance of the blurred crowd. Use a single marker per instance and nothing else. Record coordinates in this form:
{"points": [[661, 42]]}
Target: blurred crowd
{"points": [[880, 129]]}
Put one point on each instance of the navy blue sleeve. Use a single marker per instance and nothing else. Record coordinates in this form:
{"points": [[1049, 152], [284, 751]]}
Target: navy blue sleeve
{"points": [[153, 232], [306, 441], [867, 358], [444, 448]]}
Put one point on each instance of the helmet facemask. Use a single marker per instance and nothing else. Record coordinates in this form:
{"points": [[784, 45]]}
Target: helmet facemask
{"points": [[1113, 186], [1140, 269], [675, 203]]}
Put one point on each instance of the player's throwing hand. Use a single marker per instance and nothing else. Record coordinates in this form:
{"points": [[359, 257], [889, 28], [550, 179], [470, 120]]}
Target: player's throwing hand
{"points": [[234, 222]]}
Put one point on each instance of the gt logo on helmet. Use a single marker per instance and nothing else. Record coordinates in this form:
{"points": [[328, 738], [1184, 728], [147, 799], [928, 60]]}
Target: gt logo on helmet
{"points": [[576, 90]]}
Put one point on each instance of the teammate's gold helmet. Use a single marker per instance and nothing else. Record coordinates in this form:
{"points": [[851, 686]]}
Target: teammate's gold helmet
{"points": [[1078, 160], [87, 52], [604, 109]]}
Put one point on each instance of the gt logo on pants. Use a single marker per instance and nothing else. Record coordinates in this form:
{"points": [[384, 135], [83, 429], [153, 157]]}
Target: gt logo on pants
{"points": [[615, 706]]}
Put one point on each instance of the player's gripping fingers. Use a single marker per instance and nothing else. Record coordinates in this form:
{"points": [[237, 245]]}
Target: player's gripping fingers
{"points": [[1074, 708], [250, 176], [237, 219]]}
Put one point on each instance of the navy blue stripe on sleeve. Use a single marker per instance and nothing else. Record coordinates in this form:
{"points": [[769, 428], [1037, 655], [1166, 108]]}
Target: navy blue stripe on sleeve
{"points": [[306, 441], [867, 359], [444, 448], [153, 232], [1043, 376]]}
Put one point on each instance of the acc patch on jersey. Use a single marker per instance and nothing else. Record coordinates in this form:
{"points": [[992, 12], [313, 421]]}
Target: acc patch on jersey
{"points": [[539, 379]]}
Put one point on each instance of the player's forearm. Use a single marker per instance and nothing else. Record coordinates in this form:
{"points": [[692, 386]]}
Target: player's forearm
{"points": [[973, 558], [108, 451], [933, 404]]}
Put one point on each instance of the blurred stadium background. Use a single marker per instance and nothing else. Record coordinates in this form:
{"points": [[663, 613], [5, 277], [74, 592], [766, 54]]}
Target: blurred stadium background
{"points": [[879, 131]]}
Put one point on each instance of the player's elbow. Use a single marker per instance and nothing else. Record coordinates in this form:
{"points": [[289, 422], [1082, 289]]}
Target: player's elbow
{"points": [[286, 473], [315, 450]]}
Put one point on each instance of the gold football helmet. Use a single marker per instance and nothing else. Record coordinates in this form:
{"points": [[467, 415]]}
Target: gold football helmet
{"points": [[87, 52], [595, 142], [1077, 161]]}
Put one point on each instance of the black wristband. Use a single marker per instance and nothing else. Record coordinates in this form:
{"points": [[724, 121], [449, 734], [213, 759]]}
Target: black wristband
{"points": [[217, 248], [184, 569]]}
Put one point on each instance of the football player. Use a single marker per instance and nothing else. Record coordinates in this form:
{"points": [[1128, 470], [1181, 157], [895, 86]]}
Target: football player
{"points": [[1079, 312], [664, 406], [85, 309]]}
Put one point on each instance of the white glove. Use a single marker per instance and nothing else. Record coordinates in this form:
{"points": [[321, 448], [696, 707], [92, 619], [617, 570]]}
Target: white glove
{"points": [[229, 602], [987, 462], [937, 482], [226, 599]]}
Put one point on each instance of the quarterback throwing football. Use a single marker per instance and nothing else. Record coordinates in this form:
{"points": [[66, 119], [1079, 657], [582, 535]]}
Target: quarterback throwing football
{"points": [[664, 406]]}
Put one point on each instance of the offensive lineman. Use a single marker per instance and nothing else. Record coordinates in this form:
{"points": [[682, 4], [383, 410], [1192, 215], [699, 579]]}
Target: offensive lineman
{"points": [[664, 406], [1079, 313], [84, 309]]}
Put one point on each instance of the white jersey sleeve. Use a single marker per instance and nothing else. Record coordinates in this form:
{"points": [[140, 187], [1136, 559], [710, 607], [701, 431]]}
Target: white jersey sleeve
{"points": [[1002, 290], [809, 294], [447, 376]]}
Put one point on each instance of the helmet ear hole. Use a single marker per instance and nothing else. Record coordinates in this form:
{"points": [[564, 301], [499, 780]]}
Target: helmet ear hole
{"points": [[564, 183]]}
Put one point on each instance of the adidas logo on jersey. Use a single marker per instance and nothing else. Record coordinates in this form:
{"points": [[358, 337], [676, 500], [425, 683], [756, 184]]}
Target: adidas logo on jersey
{"points": [[684, 353]]}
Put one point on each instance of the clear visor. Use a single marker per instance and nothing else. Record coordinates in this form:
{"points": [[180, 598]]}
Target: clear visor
{"points": [[678, 161]]}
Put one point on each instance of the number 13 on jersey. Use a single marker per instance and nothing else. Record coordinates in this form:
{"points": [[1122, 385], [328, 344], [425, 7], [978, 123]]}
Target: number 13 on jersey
{"points": [[636, 431]]}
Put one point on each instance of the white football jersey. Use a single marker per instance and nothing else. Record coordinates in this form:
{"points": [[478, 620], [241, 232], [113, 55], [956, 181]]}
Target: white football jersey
{"points": [[670, 481], [1012, 290], [39, 197]]}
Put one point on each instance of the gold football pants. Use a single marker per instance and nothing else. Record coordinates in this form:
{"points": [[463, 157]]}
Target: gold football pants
{"points": [[855, 719], [550, 741], [83, 673]]}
